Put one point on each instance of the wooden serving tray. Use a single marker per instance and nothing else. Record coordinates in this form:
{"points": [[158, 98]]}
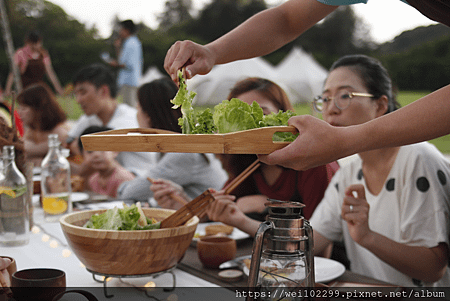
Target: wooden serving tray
{"points": [[254, 141]]}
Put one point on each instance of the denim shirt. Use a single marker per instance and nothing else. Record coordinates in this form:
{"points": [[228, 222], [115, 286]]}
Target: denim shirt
{"points": [[131, 56]]}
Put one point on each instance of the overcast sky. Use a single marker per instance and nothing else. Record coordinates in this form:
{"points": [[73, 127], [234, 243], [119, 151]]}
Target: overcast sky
{"points": [[386, 18]]}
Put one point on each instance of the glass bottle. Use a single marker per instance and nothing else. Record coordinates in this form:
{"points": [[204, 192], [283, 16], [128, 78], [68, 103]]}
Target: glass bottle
{"points": [[15, 223], [55, 182]]}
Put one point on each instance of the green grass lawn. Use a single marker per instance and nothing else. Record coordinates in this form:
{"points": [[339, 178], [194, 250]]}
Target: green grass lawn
{"points": [[404, 98]]}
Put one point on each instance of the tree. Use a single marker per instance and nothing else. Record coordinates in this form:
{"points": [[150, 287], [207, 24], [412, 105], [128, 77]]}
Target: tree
{"points": [[338, 34], [221, 16], [175, 12]]}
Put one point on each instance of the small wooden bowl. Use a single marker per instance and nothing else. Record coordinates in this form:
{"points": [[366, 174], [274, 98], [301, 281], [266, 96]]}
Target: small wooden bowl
{"points": [[214, 250], [127, 252]]}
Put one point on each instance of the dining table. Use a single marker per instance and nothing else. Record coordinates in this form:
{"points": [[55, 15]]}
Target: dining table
{"points": [[188, 280], [48, 248]]}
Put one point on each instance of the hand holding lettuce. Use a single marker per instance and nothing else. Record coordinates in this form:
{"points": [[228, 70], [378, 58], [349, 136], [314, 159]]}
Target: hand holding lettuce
{"points": [[228, 116]]}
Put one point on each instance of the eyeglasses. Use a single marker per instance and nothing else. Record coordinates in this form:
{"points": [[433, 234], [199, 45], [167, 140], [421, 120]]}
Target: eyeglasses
{"points": [[342, 100]]}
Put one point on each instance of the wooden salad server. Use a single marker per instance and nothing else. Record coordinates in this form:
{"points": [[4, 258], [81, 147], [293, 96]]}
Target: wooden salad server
{"points": [[253, 141]]}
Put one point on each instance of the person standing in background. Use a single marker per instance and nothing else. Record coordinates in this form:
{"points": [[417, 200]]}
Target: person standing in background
{"points": [[130, 62], [34, 63]]}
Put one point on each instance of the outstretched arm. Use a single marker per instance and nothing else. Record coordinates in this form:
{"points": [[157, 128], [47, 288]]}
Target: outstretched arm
{"points": [[54, 79], [259, 35], [320, 143]]}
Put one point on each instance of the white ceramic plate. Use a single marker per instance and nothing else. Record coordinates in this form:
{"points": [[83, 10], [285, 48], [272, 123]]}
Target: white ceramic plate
{"points": [[236, 234], [325, 269]]}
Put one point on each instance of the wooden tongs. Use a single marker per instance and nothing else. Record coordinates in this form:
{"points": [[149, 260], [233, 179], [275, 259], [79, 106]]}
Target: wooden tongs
{"points": [[198, 206]]}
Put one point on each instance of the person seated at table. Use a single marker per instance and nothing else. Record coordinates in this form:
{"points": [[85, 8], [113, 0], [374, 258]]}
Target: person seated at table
{"points": [[391, 206], [41, 115], [275, 182], [268, 181], [194, 172], [95, 91], [107, 174]]}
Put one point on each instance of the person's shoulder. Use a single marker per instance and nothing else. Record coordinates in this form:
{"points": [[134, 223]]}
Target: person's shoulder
{"points": [[423, 150], [183, 158], [126, 109], [121, 173], [422, 154], [134, 42], [45, 53], [85, 119]]}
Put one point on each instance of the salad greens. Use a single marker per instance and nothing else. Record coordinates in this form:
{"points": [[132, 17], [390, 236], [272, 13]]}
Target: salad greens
{"points": [[129, 218], [235, 115], [191, 122], [228, 116]]}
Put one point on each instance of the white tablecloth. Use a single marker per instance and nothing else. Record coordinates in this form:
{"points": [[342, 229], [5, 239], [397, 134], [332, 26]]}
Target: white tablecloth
{"points": [[48, 248]]}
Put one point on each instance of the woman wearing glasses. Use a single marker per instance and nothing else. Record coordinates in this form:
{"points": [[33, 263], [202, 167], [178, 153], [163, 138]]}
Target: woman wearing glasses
{"points": [[391, 205]]}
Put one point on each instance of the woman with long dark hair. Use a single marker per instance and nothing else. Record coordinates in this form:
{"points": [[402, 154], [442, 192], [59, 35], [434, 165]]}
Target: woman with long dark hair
{"points": [[193, 173], [41, 115]]}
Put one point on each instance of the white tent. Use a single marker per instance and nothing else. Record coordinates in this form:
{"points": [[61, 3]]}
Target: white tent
{"points": [[215, 86], [151, 74], [301, 74]]}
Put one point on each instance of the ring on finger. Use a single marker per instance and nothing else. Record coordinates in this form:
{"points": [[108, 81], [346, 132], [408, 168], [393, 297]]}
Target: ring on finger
{"points": [[351, 208]]}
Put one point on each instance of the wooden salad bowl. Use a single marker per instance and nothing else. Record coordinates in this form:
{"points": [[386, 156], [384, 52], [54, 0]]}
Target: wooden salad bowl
{"points": [[140, 252]]}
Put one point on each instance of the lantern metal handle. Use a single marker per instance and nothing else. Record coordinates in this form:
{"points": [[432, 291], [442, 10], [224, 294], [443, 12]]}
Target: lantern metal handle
{"points": [[256, 253]]}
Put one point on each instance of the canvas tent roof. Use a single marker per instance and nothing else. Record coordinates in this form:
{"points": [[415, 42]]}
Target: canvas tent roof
{"points": [[302, 74], [298, 74], [215, 86], [151, 74]]}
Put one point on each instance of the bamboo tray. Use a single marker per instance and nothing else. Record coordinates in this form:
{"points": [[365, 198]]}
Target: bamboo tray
{"points": [[254, 141]]}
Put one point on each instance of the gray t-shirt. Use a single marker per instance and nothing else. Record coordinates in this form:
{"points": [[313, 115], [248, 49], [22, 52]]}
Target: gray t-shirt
{"points": [[190, 170]]}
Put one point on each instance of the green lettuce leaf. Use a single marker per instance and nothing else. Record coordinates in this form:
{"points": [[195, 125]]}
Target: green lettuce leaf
{"points": [[235, 115], [204, 123], [229, 116], [279, 119], [184, 99], [192, 122], [120, 219]]}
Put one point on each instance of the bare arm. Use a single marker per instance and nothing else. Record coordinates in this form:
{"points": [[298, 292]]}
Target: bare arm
{"points": [[321, 245], [252, 203], [35, 150], [259, 35], [163, 193], [320, 143], [224, 209], [53, 78]]}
